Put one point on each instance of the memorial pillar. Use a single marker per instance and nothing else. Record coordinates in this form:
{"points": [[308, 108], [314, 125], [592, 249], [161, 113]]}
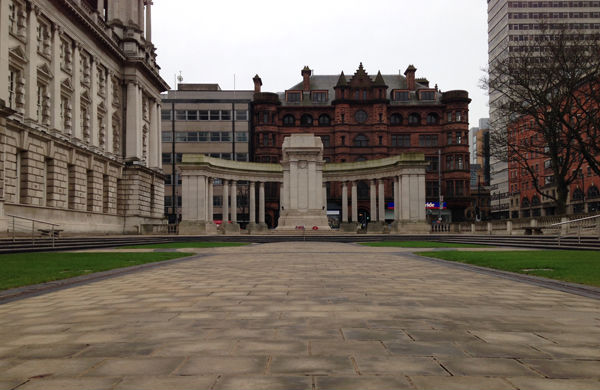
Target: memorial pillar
{"points": [[381, 185], [261, 203], [324, 191], [396, 198], [354, 202], [234, 201], [252, 202], [225, 217], [344, 202], [373, 199]]}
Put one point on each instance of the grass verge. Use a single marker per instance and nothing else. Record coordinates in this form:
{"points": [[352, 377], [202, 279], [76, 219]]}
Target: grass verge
{"points": [[192, 244], [23, 269], [571, 266], [421, 244]]}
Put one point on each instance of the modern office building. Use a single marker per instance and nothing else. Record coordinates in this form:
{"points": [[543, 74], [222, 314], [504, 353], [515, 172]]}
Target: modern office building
{"points": [[511, 24], [79, 115], [363, 117], [208, 121]]}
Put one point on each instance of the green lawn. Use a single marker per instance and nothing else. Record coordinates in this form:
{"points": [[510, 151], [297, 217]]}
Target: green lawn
{"points": [[571, 266], [421, 244], [22, 269], [191, 244]]}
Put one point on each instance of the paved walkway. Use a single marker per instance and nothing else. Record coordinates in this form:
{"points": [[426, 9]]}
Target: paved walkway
{"points": [[302, 316]]}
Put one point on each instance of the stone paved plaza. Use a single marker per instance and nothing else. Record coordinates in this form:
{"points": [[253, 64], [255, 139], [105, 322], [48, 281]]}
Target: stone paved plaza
{"points": [[301, 316]]}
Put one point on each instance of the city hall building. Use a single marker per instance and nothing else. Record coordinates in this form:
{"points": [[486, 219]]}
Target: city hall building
{"points": [[80, 115], [363, 117]]}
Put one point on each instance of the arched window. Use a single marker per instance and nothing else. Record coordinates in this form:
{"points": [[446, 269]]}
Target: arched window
{"points": [[525, 202], [432, 118], [414, 119], [535, 200], [324, 120], [361, 141], [306, 120], [396, 119], [593, 192], [289, 120], [578, 194]]}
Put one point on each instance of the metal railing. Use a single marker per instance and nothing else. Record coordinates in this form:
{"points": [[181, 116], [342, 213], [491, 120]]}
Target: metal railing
{"points": [[22, 224], [581, 222]]}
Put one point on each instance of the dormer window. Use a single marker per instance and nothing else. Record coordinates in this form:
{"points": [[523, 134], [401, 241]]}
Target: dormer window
{"points": [[319, 96], [400, 96], [427, 95], [293, 97]]}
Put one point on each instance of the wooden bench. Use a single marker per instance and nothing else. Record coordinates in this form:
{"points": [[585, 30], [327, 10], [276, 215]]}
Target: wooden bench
{"points": [[49, 232]]}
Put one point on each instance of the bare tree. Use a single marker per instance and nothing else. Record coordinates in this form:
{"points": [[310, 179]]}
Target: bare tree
{"points": [[547, 106]]}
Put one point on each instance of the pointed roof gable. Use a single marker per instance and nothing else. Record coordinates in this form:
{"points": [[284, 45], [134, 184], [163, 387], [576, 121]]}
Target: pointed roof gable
{"points": [[379, 82], [361, 79], [342, 82]]}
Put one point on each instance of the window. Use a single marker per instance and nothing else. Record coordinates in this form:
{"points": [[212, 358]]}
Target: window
{"points": [[293, 97], [181, 137], [449, 163], [306, 120], [380, 138], [214, 115], [225, 136], [428, 140], [241, 156], [449, 117], [414, 119], [458, 116], [217, 200], [203, 115], [192, 115], [324, 120], [432, 119], [166, 136], [181, 115], [289, 120], [225, 115], [265, 117], [12, 87], [402, 140], [361, 141], [319, 97], [226, 156], [459, 162], [215, 136], [241, 115], [166, 158], [433, 163], [459, 137], [241, 136], [432, 189], [396, 119], [361, 116], [165, 115], [427, 95], [325, 140], [401, 96], [343, 140]]}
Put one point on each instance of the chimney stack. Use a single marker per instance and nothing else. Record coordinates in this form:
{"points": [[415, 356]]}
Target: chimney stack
{"points": [[306, 72], [410, 78], [257, 84]]}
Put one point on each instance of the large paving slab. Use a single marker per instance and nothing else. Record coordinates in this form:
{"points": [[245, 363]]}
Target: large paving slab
{"points": [[301, 316]]}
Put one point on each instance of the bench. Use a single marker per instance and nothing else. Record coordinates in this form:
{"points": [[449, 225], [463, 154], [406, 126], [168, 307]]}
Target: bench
{"points": [[533, 231], [49, 232]]}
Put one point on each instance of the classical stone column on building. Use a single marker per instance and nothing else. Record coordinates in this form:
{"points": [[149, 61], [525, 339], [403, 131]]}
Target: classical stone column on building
{"points": [[149, 20], [373, 200], [252, 202], [209, 201], [133, 131], [415, 215], [234, 201], [76, 130], [140, 14], [261, 203], [225, 217], [405, 197], [381, 191], [355, 201], [31, 82], [345, 202], [153, 136], [108, 145], [94, 125], [55, 88], [4, 42]]}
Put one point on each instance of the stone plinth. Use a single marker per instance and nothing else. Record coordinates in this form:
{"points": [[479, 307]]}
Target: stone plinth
{"points": [[302, 199]]}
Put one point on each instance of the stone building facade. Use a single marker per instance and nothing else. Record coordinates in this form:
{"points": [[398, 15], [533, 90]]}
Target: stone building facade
{"points": [[365, 117], [79, 114]]}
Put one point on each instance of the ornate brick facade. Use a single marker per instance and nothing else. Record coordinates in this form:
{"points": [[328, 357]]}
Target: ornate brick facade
{"points": [[363, 118]]}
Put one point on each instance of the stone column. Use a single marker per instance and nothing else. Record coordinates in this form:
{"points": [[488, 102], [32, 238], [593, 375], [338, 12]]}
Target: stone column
{"points": [[405, 197], [422, 197], [373, 200], [4, 50], [158, 135], [55, 89], [324, 193], [381, 191], [396, 198], [225, 217], [153, 140], [108, 146], [149, 20], [76, 130], [133, 140], [354, 202], [141, 14], [94, 128], [234, 201], [209, 201], [31, 67], [252, 202], [261, 203], [345, 202]]}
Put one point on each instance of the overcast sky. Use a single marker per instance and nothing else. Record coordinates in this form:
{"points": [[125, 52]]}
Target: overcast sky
{"points": [[210, 41]]}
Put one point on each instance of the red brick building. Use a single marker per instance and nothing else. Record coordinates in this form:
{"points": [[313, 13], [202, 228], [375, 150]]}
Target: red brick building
{"points": [[363, 118]]}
